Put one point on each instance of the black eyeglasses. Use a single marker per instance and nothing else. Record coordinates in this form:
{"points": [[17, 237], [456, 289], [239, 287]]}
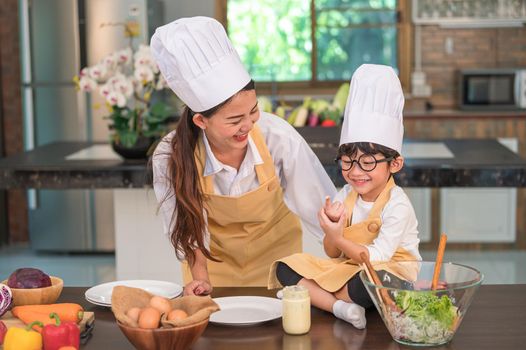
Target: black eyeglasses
{"points": [[366, 162]]}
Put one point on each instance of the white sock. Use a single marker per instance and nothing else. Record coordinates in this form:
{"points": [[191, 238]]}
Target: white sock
{"points": [[279, 294], [350, 312]]}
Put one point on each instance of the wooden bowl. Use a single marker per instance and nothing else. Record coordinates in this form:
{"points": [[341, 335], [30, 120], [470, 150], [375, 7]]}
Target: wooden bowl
{"points": [[33, 296], [177, 338]]}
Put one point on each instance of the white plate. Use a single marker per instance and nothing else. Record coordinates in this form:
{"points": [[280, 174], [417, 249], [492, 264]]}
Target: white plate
{"points": [[246, 310], [101, 294], [97, 303]]}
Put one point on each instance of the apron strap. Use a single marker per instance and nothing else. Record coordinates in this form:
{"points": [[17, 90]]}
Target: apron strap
{"points": [[264, 171], [382, 199], [349, 202], [378, 206]]}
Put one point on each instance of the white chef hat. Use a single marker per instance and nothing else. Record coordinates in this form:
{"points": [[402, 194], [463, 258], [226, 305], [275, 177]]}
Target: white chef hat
{"points": [[198, 62], [374, 108]]}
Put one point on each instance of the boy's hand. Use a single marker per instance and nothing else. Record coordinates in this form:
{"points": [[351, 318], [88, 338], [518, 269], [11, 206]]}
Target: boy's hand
{"points": [[333, 230], [334, 211]]}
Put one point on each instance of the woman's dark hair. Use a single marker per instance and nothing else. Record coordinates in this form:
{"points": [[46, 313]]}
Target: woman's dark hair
{"points": [[188, 231], [350, 149]]}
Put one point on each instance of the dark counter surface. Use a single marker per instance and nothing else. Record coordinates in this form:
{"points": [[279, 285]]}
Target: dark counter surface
{"points": [[476, 163]]}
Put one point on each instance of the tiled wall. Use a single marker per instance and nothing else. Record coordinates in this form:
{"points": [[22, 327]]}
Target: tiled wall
{"points": [[472, 48], [12, 111]]}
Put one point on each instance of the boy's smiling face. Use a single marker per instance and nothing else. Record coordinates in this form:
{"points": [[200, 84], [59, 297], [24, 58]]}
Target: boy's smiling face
{"points": [[369, 184]]}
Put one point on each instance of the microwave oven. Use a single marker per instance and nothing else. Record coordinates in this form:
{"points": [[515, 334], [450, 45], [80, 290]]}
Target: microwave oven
{"points": [[492, 89]]}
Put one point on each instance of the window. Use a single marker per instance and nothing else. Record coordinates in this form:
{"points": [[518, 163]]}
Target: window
{"points": [[300, 44]]}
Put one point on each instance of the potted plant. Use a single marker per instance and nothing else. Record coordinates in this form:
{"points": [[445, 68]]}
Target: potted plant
{"points": [[127, 80]]}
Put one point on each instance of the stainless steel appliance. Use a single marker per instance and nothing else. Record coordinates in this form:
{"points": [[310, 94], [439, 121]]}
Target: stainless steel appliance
{"points": [[58, 37], [3, 199], [492, 89]]}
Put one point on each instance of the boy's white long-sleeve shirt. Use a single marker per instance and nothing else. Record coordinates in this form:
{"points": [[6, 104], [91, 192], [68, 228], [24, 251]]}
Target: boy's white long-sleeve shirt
{"points": [[399, 224], [304, 181]]}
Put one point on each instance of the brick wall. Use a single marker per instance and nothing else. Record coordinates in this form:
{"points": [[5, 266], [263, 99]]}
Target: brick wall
{"points": [[472, 48], [12, 112]]}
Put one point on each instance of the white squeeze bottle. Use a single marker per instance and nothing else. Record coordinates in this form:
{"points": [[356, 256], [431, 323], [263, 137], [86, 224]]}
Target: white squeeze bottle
{"points": [[296, 310]]}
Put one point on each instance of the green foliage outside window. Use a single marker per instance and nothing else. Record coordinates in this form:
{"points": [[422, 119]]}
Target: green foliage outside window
{"points": [[273, 37]]}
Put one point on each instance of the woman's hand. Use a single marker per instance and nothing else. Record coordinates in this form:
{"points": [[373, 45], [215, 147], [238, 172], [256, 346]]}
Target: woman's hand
{"points": [[334, 211], [198, 287]]}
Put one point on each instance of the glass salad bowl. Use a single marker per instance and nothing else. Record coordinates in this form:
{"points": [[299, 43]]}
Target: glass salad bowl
{"points": [[412, 312]]}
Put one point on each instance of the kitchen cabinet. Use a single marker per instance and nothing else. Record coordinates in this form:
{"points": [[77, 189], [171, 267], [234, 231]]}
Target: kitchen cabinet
{"points": [[422, 203], [480, 214]]}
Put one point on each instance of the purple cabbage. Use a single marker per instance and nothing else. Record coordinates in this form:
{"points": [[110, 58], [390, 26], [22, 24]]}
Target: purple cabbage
{"points": [[28, 278]]}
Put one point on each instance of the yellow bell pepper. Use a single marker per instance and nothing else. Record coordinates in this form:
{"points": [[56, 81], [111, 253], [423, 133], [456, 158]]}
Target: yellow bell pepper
{"points": [[23, 339]]}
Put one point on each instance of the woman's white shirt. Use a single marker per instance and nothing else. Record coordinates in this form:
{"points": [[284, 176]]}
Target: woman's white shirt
{"points": [[304, 181], [399, 224]]}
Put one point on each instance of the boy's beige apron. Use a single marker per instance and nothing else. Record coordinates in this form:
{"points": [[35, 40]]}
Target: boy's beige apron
{"points": [[333, 274], [249, 232]]}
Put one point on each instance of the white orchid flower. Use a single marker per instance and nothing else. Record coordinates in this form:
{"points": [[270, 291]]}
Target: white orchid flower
{"points": [[116, 79], [154, 66], [138, 87], [144, 48], [125, 56], [125, 87], [143, 60], [98, 72], [87, 84], [115, 98], [111, 61], [161, 83], [84, 72], [144, 74], [106, 89]]}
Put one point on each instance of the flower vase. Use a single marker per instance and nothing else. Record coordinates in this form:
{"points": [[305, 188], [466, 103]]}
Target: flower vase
{"points": [[138, 151]]}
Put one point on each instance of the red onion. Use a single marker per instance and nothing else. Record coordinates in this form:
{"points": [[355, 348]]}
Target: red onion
{"points": [[6, 299]]}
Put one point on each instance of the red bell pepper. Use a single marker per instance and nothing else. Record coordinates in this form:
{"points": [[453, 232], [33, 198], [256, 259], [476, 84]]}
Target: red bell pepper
{"points": [[3, 331], [60, 334]]}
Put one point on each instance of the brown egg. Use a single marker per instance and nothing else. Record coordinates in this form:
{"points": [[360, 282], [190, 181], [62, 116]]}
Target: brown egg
{"points": [[149, 318], [134, 313], [161, 304], [177, 314]]}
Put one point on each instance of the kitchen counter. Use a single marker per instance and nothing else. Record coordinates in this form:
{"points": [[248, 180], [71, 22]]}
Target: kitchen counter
{"points": [[465, 163], [492, 322]]}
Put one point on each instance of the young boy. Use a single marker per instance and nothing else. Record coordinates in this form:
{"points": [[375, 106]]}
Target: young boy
{"points": [[370, 214]]}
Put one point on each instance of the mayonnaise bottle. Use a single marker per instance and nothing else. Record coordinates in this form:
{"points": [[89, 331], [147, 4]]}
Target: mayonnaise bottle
{"points": [[296, 310]]}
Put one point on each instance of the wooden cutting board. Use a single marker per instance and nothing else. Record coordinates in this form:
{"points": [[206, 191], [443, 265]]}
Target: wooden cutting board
{"points": [[85, 324]]}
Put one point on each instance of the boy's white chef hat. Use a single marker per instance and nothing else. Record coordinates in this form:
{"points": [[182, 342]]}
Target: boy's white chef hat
{"points": [[374, 108], [198, 62]]}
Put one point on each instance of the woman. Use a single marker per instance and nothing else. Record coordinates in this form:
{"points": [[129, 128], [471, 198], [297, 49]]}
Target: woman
{"points": [[231, 180]]}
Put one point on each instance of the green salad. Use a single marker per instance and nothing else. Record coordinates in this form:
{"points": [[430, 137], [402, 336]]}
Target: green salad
{"points": [[424, 317]]}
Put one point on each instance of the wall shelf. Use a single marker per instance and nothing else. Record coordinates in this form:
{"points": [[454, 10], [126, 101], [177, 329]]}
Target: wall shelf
{"points": [[469, 13]]}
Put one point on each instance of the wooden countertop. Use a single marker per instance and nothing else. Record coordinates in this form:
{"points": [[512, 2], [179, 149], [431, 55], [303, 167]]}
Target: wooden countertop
{"points": [[495, 320]]}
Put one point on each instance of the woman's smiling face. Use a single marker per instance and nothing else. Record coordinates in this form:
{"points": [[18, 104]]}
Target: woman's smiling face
{"points": [[227, 129]]}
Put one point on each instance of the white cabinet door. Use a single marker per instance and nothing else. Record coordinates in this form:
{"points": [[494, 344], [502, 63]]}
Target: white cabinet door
{"points": [[478, 214], [421, 200]]}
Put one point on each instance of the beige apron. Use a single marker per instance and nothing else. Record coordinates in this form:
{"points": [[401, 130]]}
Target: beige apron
{"points": [[333, 274], [249, 232]]}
